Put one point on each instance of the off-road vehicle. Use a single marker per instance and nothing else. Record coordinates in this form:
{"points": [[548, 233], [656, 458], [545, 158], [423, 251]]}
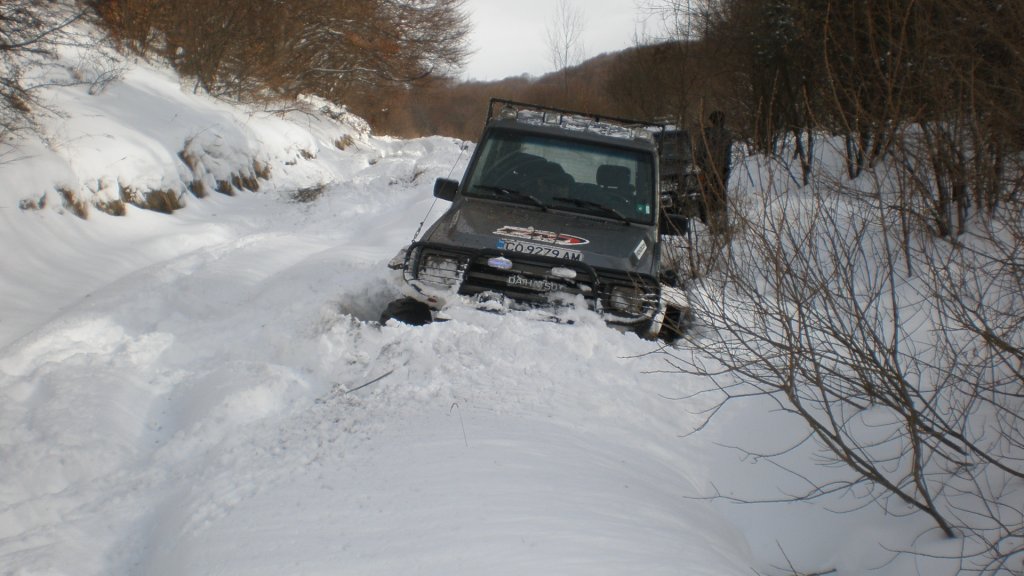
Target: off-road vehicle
{"points": [[556, 208]]}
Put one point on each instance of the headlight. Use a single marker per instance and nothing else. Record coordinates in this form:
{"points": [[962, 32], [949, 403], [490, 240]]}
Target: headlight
{"points": [[628, 299], [441, 271]]}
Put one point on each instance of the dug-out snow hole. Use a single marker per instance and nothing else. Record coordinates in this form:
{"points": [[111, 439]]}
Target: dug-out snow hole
{"points": [[365, 303]]}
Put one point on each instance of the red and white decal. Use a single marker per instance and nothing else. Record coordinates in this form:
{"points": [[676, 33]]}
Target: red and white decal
{"points": [[541, 236]]}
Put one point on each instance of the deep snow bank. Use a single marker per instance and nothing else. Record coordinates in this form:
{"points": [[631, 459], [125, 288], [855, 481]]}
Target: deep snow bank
{"points": [[140, 131], [113, 131]]}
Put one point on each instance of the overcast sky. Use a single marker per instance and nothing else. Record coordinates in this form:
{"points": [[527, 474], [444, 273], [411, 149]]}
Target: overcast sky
{"points": [[509, 37]]}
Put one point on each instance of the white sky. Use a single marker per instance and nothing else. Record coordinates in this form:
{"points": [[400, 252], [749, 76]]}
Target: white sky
{"points": [[510, 36]]}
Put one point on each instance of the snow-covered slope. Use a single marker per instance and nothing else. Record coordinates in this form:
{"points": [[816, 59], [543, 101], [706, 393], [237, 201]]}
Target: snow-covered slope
{"points": [[188, 413], [191, 417], [181, 393]]}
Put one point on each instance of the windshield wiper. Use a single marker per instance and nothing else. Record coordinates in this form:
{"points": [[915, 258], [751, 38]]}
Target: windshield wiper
{"points": [[530, 198], [606, 210]]}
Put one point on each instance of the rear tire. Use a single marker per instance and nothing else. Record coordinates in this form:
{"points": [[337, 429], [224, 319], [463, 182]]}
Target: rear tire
{"points": [[407, 311]]}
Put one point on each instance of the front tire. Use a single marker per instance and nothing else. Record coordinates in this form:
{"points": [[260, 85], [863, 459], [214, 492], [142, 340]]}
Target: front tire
{"points": [[407, 311]]}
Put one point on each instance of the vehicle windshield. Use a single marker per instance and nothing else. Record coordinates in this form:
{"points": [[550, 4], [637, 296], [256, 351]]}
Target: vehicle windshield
{"points": [[564, 174]]}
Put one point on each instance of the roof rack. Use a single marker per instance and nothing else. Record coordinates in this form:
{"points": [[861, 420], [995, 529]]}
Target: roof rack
{"points": [[573, 120]]}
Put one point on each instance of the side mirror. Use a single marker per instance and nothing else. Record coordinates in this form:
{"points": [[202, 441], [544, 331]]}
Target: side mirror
{"points": [[673, 225], [445, 189]]}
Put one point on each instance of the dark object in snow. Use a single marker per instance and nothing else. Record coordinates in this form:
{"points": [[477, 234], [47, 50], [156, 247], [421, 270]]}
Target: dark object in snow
{"points": [[407, 311], [374, 381]]}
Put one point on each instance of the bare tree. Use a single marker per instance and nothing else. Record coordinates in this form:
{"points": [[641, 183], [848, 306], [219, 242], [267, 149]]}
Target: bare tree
{"points": [[565, 39], [679, 19], [29, 31], [266, 48]]}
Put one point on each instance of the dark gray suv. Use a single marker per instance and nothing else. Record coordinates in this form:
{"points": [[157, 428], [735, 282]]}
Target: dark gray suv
{"points": [[556, 208]]}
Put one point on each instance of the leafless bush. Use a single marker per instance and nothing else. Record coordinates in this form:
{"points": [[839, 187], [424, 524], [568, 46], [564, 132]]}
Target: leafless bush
{"points": [[264, 50], [307, 195], [261, 170], [940, 80], [112, 207], [977, 284], [164, 201], [29, 32], [72, 202], [903, 355], [33, 203]]}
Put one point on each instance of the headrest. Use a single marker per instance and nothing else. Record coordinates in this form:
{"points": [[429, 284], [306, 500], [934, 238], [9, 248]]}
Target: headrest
{"points": [[613, 176], [553, 173]]}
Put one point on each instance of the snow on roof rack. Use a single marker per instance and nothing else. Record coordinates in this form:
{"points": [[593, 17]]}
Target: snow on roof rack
{"points": [[538, 115]]}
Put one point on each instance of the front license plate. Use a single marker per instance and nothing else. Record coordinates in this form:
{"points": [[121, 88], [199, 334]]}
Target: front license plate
{"points": [[540, 250]]}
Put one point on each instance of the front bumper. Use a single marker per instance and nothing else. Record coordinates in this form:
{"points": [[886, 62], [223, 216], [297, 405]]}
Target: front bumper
{"points": [[436, 273]]}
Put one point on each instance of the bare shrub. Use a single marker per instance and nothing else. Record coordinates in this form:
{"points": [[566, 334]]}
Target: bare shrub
{"points": [[29, 32], [902, 355], [187, 155], [261, 170], [333, 49], [977, 284], [245, 181], [343, 142], [198, 188], [73, 203], [307, 195], [133, 24], [163, 201], [32, 204], [112, 207]]}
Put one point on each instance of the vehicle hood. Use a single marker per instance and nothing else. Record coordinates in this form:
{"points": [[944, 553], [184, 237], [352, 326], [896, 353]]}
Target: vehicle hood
{"points": [[602, 243]]}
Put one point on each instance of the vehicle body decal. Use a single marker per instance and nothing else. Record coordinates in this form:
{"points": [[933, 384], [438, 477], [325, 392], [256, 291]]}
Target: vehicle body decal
{"points": [[640, 250], [541, 236]]}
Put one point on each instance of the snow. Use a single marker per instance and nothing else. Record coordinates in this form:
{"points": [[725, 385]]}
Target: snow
{"points": [[208, 392]]}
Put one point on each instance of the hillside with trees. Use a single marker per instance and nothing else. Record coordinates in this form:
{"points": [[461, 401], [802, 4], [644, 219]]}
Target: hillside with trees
{"points": [[253, 52], [877, 262]]}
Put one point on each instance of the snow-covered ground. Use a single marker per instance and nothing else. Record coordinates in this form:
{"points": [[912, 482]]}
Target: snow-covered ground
{"points": [[209, 392]]}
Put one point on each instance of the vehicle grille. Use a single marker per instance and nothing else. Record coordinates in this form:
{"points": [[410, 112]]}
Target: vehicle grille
{"points": [[622, 298], [527, 280]]}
